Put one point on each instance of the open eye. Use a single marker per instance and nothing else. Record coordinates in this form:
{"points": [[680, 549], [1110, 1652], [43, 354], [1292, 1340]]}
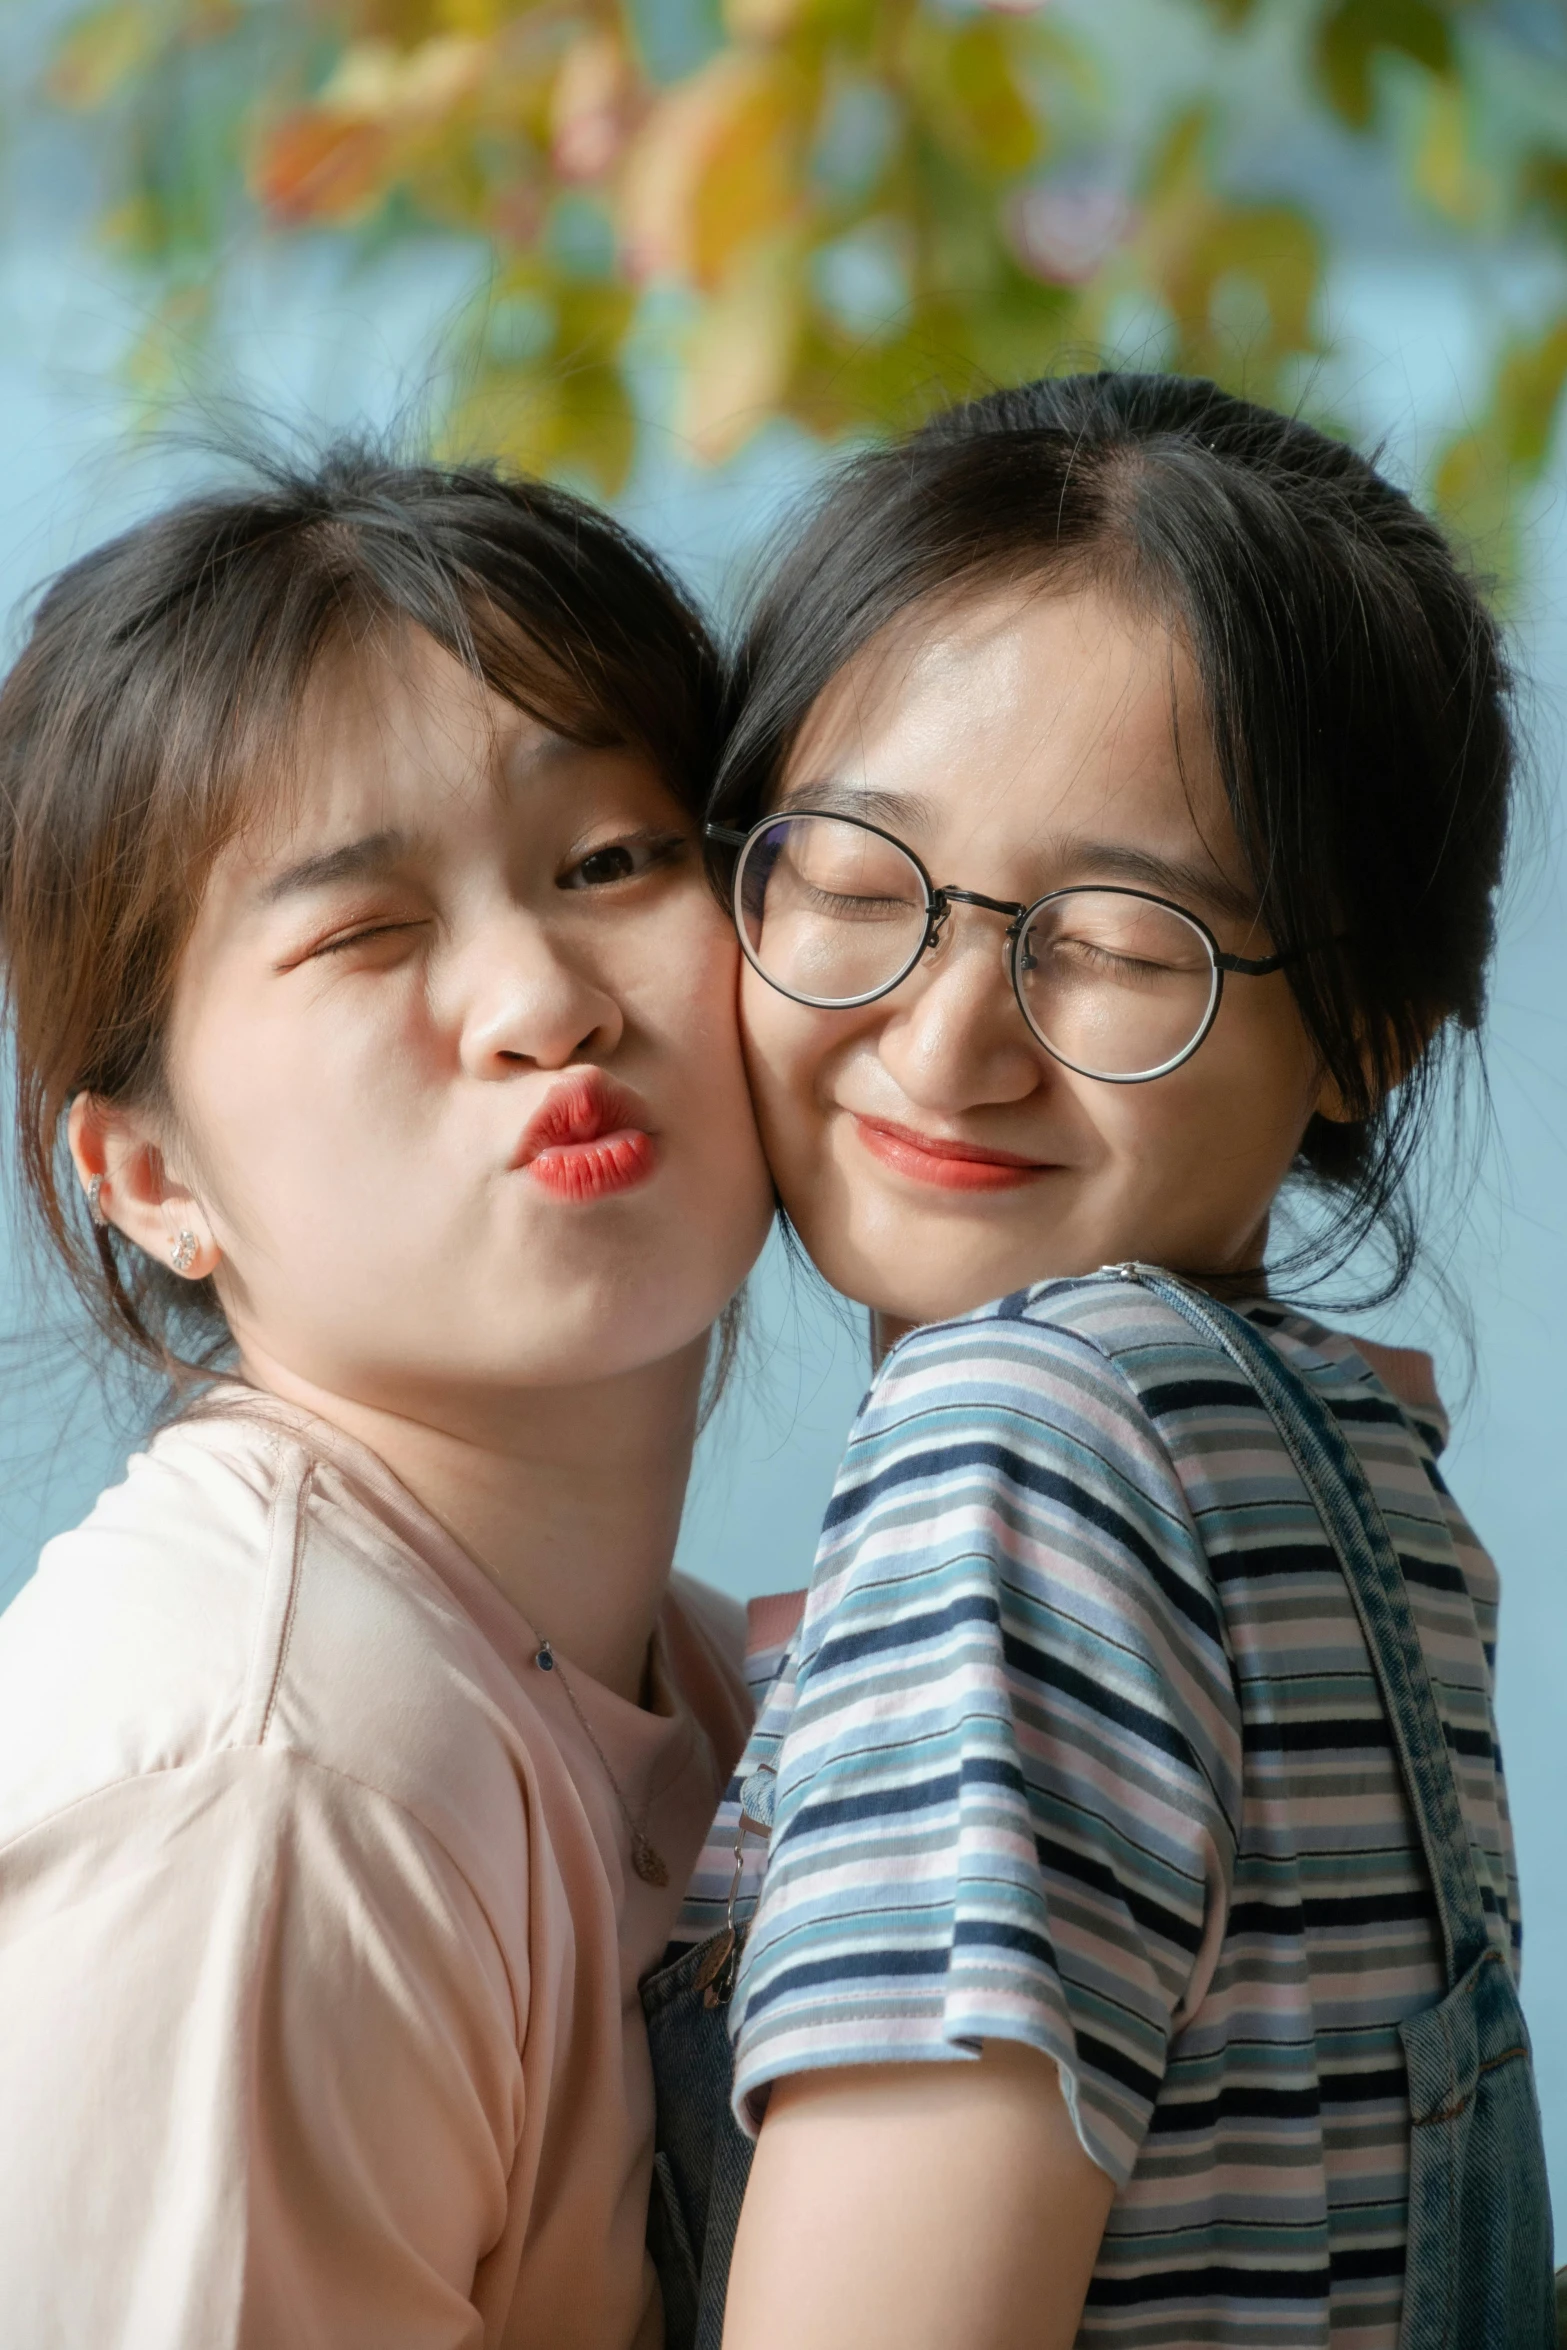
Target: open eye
{"points": [[627, 859]]}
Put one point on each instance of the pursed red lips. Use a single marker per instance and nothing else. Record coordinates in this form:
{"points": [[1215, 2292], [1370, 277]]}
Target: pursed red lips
{"points": [[942, 1160], [587, 1139]]}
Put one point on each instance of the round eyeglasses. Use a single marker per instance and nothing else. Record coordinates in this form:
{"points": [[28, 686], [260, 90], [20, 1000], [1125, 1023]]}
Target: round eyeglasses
{"points": [[1115, 983]]}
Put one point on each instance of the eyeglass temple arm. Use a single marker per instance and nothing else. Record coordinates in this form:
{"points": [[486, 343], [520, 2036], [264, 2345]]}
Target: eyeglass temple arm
{"points": [[1261, 969], [731, 840]]}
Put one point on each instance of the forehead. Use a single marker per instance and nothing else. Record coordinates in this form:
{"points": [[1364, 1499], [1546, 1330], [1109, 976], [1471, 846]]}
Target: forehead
{"points": [[387, 731], [1041, 707]]}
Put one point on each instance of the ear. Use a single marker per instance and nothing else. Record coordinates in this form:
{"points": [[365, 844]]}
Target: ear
{"points": [[117, 1146], [1331, 1103]]}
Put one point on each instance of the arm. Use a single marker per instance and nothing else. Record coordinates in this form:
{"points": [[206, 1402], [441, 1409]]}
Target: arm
{"points": [[918, 2207], [1002, 1821]]}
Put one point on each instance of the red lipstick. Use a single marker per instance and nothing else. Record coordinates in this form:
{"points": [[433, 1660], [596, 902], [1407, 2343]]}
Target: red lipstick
{"points": [[950, 1166], [586, 1141]]}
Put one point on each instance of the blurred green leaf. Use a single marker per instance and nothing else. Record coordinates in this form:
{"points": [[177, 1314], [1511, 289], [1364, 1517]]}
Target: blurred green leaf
{"points": [[966, 81], [1542, 185], [1480, 474], [1355, 33]]}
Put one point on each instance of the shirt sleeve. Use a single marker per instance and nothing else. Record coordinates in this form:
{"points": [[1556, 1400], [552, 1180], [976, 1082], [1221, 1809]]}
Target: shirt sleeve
{"points": [[1008, 1767], [258, 2066]]}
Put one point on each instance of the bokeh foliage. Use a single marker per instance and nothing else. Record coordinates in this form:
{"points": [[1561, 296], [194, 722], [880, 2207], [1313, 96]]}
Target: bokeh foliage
{"points": [[840, 211]]}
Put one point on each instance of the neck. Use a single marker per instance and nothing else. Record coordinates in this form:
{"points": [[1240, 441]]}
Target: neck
{"points": [[1245, 1277], [885, 1332], [569, 1498]]}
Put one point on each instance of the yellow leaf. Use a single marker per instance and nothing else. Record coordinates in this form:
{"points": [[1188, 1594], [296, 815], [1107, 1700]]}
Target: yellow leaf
{"points": [[1474, 496], [741, 355], [970, 90], [440, 74], [761, 20], [478, 19], [1528, 395], [716, 168], [548, 419], [1445, 172], [1274, 248], [366, 81], [376, 81], [101, 51], [749, 186]]}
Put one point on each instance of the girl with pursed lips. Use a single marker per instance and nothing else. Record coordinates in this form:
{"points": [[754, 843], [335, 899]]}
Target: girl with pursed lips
{"points": [[377, 1076]]}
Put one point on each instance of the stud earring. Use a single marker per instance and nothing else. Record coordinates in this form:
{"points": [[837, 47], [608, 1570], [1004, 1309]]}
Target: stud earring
{"points": [[95, 1201], [182, 1253]]}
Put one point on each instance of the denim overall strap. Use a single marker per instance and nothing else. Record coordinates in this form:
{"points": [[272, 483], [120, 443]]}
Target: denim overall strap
{"points": [[1353, 1521], [1477, 2269]]}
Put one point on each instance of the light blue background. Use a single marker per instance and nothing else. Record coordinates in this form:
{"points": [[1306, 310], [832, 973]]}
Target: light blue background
{"points": [[315, 340]]}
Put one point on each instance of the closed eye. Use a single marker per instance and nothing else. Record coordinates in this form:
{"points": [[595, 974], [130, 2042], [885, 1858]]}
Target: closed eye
{"points": [[367, 934], [856, 906]]}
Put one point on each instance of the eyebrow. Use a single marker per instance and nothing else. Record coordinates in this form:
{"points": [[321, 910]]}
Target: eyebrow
{"points": [[1180, 878], [373, 854], [1170, 877], [834, 796]]}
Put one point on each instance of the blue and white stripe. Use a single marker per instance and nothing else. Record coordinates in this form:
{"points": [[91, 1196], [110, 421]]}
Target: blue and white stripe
{"points": [[1079, 1745]]}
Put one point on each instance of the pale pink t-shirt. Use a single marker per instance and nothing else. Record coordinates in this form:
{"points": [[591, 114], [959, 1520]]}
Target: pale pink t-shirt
{"points": [[319, 1942]]}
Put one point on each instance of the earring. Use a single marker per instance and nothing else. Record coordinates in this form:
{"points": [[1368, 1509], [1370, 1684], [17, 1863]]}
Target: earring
{"points": [[182, 1253], [95, 1201]]}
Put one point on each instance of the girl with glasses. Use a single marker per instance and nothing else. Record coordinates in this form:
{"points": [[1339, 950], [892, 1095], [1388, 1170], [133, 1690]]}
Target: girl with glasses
{"points": [[378, 1080], [1112, 821]]}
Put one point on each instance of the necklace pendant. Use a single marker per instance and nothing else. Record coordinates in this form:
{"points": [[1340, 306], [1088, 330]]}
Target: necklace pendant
{"points": [[544, 1657], [648, 1862]]}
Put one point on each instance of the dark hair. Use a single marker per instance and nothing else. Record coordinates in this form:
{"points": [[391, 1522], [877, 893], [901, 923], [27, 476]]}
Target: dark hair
{"points": [[154, 708], [1353, 678]]}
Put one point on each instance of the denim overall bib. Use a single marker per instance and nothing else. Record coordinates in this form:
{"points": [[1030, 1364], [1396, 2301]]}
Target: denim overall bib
{"points": [[1478, 2262]]}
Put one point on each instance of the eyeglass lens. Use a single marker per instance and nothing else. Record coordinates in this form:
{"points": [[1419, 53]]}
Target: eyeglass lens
{"points": [[834, 914]]}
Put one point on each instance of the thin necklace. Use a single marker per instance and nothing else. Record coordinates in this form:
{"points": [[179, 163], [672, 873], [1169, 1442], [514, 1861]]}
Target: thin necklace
{"points": [[646, 1858]]}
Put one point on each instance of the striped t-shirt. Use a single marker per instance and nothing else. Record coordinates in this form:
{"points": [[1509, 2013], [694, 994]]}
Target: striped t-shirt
{"points": [[1079, 1745]]}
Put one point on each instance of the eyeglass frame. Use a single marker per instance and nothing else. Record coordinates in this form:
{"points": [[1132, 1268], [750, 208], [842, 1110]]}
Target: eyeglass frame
{"points": [[939, 902]]}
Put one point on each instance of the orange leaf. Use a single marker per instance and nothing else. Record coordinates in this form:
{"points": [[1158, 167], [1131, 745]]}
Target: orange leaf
{"points": [[319, 166]]}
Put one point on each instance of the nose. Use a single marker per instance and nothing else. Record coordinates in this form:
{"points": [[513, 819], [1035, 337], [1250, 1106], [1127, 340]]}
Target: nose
{"points": [[954, 1038], [528, 1003]]}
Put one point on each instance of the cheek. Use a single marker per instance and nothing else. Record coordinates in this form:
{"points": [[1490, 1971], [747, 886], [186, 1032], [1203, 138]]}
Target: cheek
{"points": [[298, 1119], [682, 1005], [1226, 1126], [678, 990], [786, 1049]]}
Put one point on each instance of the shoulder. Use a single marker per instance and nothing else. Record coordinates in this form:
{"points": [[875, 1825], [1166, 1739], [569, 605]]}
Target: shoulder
{"points": [[236, 1593], [1048, 1375], [1011, 1451], [1095, 1334], [136, 1646]]}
